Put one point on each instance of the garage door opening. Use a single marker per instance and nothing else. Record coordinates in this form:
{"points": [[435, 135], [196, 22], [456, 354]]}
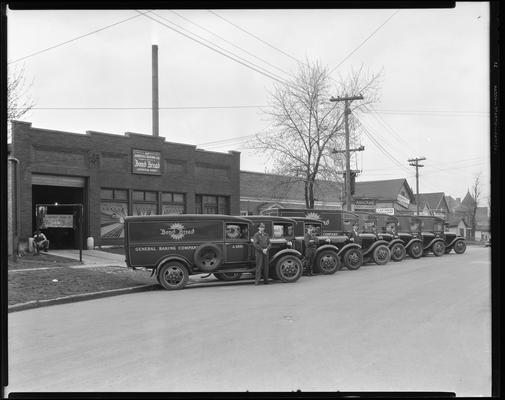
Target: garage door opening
{"points": [[59, 238]]}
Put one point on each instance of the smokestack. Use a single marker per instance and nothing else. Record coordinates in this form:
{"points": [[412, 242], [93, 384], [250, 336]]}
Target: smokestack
{"points": [[155, 90]]}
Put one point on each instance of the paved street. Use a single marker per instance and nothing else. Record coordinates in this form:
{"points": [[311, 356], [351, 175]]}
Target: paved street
{"points": [[417, 325]]}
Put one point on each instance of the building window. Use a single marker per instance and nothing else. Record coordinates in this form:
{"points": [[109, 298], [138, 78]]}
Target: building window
{"points": [[113, 209], [144, 203], [173, 203], [205, 204]]}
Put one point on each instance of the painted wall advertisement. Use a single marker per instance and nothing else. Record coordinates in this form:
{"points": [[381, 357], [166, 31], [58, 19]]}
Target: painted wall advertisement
{"points": [[146, 162]]}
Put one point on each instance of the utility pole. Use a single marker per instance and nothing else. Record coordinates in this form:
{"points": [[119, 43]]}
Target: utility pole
{"points": [[414, 162], [347, 100]]}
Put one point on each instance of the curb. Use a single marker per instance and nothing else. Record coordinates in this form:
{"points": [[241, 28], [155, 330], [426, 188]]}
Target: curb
{"points": [[80, 297]]}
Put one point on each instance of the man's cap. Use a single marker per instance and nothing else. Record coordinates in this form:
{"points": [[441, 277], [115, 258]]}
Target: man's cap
{"points": [[261, 225]]}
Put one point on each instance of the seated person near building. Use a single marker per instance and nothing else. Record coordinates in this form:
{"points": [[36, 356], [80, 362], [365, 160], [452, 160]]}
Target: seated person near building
{"points": [[40, 241]]}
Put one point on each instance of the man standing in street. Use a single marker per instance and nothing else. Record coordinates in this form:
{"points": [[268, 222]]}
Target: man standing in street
{"points": [[261, 243], [310, 249]]}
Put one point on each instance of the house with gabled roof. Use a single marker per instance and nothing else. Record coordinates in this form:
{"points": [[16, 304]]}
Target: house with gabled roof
{"points": [[433, 204], [482, 224], [393, 196], [459, 226]]}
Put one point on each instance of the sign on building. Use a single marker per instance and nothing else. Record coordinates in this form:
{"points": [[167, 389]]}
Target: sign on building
{"points": [[402, 200], [146, 162], [58, 221], [387, 210], [364, 204]]}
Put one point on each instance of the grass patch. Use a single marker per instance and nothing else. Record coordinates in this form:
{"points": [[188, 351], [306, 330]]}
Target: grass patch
{"points": [[43, 260], [49, 284]]}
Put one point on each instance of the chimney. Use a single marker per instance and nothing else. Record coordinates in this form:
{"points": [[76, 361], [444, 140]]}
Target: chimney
{"points": [[155, 90]]}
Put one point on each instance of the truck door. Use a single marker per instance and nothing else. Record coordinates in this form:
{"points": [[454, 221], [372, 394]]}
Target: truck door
{"points": [[236, 242]]}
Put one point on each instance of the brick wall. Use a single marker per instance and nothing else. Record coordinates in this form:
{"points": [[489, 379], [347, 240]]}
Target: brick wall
{"points": [[105, 160]]}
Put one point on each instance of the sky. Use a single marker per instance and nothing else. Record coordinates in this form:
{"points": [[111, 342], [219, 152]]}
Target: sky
{"points": [[91, 71]]}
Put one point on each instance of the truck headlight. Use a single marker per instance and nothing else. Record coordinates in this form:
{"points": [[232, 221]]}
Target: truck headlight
{"points": [[290, 243]]}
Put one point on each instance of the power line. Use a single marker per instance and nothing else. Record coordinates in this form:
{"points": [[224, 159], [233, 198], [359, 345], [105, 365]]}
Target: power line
{"points": [[233, 44], [146, 108], [268, 75], [246, 63], [219, 47], [398, 138], [364, 41], [393, 110], [256, 37], [74, 39], [382, 149], [433, 114]]}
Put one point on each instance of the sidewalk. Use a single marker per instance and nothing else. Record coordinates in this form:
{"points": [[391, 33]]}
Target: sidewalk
{"points": [[93, 258]]}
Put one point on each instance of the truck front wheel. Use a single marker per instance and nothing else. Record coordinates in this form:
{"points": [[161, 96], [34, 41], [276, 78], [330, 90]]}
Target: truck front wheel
{"points": [[288, 268], [327, 262], [353, 259]]}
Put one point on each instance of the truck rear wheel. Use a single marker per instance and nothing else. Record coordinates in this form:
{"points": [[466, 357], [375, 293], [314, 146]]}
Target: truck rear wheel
{"points": [[173, 275]]}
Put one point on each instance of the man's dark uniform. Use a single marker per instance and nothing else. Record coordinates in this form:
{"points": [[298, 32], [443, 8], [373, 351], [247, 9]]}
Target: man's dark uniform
{"points": [[261, 241], [310, 250], [354, 234]]}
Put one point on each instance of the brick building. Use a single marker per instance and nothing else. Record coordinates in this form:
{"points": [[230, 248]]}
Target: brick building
{"points": [[259, 191], [113, 176]]}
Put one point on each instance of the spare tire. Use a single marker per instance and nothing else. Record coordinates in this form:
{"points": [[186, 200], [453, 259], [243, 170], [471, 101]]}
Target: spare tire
{"points": [[208, 257]]}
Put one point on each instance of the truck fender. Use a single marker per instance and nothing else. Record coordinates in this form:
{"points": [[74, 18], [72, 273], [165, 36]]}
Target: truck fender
{"points": [[326, 247], [395, 241], [174, 258], [413, 241], [347, 247], [374, 246], [284, 253], [433, 241], [455, 240]]}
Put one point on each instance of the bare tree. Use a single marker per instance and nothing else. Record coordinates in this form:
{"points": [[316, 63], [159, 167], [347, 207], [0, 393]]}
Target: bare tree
{"points": [[306, 126], [476, 194], [19, 101]]}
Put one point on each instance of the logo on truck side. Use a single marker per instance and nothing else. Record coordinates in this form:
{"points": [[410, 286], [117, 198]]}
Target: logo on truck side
{"points": [[177, 231], [316, 216]]}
